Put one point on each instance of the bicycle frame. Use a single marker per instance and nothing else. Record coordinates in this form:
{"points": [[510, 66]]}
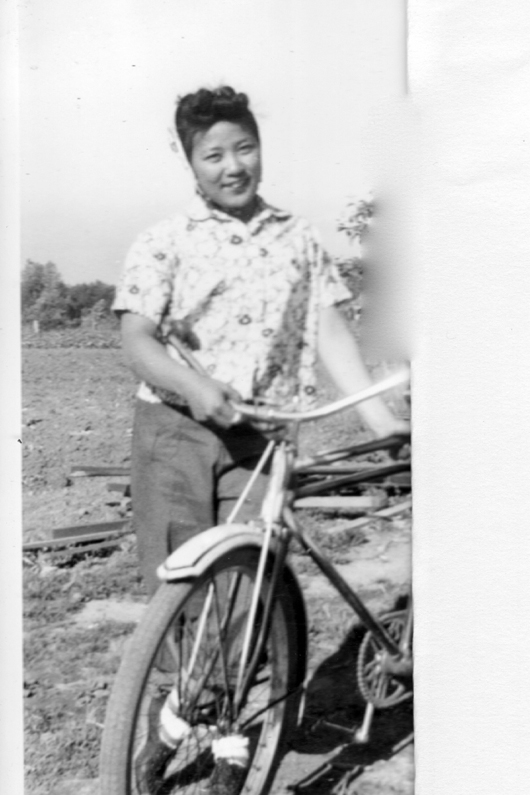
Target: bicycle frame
{"points": [[280, 497], [278, 526]]}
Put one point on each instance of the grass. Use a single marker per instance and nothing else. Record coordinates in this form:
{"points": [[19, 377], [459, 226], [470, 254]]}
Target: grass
{"points": [[65, 703], [69, 669], [53, 593], [106, 335]]}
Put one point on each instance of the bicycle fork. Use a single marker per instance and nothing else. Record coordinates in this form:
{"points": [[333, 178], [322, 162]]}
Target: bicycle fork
{"points": [[247, 673], [271, 513]]}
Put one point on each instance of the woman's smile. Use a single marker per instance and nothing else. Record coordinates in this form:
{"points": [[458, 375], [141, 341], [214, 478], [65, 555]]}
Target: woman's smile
{"points": [[238, 185]]}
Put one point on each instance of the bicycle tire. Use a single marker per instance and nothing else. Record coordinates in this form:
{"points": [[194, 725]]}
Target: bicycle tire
{"points": [[171, 620]]}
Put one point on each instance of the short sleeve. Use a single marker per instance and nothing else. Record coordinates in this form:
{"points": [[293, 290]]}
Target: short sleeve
{"points": [[328, 282], [146, 281], [332, 289]]}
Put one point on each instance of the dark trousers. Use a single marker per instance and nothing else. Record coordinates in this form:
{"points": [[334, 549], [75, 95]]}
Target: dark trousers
{"points": [[186, 477]]}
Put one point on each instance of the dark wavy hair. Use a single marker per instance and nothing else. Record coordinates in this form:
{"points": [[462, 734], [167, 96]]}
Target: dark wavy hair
{"points": [[199, 111]]}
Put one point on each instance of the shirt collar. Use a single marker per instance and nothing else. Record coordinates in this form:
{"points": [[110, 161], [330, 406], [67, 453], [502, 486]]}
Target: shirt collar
{"points": [[200, 209]]}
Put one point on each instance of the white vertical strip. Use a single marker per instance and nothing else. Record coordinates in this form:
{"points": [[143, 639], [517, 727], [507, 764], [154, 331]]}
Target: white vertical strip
{"points": [[469, 73]]}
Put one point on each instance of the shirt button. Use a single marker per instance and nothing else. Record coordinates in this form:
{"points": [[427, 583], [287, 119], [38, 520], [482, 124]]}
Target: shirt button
{"points": [[235, 239]]}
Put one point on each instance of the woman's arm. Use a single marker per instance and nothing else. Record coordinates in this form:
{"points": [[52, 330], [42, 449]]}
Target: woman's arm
{"points": [[208, 399], [340, 355]]}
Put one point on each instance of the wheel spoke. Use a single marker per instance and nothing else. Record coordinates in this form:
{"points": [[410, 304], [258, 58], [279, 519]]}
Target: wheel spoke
{"points": [[200, 631]]}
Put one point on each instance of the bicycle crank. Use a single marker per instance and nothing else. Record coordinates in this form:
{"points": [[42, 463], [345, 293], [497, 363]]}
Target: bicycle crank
{"points": [[383, 680]]}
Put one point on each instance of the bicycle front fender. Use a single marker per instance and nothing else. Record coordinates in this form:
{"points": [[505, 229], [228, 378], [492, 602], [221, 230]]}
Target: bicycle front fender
{"points": [[193, 558]]}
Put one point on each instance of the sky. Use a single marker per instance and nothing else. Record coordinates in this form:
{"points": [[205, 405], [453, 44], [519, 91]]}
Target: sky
{"points": [[98, 85]]}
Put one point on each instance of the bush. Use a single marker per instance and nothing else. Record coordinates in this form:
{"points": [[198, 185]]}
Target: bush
{"points": [[45, 298]]}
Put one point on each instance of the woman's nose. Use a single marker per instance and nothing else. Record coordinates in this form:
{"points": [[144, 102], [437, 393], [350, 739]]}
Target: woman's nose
{"points": [[233, 164]]}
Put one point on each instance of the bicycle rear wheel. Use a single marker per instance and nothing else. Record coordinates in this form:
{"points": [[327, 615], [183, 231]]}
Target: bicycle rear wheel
{"points": [[189, 645]]}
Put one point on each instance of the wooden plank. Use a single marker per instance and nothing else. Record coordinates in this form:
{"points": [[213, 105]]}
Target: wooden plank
{"points": [[384, 513], [328, 456], [327, 484], [81, 549], [101, 528], [62, 548], [338, 469], [350, 503], [58, 543], [122, 488], [82, 471], [403, 479]]}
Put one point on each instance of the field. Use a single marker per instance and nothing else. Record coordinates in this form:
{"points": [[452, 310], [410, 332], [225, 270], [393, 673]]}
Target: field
{"points": [[79, 612]]}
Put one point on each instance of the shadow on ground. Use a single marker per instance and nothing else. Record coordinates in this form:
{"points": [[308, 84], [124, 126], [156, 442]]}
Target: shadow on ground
{"points": [[334, 709]]}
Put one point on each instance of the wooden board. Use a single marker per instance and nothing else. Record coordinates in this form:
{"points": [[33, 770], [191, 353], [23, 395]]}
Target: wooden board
{"points": [[82, 471], [89, 529], [350, 503]]}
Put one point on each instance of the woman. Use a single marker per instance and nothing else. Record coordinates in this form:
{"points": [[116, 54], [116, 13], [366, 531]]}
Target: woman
{"points": [[256, 296]]}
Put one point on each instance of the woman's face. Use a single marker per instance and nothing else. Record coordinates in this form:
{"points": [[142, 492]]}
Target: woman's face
{"points": [[226, 161]]}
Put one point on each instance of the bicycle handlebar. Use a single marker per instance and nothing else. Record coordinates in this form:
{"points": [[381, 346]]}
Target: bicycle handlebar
{"points": [[271, 414]]}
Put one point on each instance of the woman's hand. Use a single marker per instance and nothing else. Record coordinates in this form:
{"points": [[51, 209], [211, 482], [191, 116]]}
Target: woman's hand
{"points": [[210, 401], [341, 357], [402, 428], [393, 427], [271, 430]]}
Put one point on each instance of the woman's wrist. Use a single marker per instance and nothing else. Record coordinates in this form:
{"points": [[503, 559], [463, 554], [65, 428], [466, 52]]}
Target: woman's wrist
{"points": [[376, 414], [189, 383]]}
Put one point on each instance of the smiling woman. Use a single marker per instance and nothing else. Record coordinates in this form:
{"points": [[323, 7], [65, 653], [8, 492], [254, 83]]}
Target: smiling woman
{"points": [[251, 289]]}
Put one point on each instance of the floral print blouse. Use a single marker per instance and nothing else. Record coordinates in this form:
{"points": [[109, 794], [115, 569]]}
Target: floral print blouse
{"points": [[250, 293]]}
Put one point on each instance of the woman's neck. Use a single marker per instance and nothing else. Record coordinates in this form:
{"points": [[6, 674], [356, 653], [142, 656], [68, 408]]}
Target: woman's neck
{"points": [[244, 214]]}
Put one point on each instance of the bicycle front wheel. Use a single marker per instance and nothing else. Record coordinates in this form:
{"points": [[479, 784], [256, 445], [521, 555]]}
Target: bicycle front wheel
{"points": [[185, 658]]}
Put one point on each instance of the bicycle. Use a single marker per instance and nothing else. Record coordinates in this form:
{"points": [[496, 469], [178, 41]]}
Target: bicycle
{"points": [[212, 682]]}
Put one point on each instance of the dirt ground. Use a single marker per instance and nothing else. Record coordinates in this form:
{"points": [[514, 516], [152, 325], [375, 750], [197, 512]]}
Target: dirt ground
{"points": [[77, 409]]}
